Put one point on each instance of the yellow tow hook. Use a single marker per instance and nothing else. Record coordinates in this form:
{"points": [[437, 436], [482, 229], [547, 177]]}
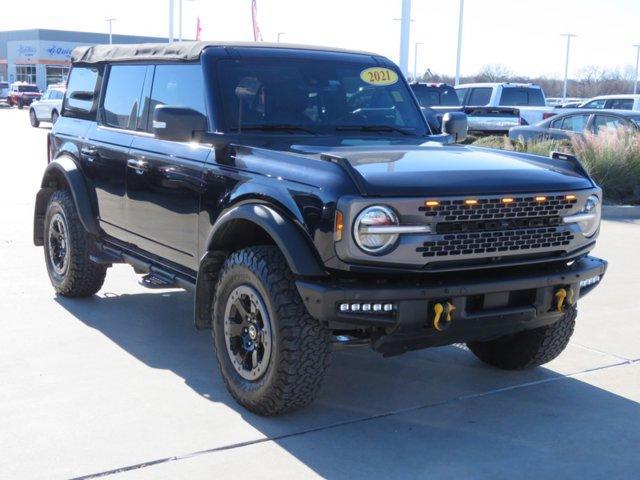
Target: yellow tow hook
{"points": [[562, 295], [447, 309]]}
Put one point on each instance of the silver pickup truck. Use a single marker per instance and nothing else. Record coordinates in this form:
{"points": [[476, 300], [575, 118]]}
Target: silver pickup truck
{"points": [[436, 99], [526, 97]]}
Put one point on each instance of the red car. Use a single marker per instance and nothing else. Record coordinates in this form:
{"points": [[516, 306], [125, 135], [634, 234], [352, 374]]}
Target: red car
{"points": [[22, 94]]}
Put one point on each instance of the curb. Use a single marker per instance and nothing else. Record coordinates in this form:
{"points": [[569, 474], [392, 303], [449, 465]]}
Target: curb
{"points": [[619, 212]]}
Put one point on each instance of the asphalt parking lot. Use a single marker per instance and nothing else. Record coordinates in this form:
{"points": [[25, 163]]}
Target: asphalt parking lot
{"points": [[122, 385]]}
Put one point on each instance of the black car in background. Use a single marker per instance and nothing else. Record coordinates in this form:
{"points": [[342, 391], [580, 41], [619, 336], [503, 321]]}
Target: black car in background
{"points": [[567, 125]]}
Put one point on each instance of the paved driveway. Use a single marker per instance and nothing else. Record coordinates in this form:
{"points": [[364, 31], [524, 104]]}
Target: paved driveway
{"points": [[121, 384]]}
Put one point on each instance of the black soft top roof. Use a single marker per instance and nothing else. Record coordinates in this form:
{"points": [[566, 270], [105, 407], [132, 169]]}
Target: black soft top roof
{"points": [[178, 51]]}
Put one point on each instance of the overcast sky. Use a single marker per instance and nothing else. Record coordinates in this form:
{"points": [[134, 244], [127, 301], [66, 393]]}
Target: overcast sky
{"points": [[523, 35]]}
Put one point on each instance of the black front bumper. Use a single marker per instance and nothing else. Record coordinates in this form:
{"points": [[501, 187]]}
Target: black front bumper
{"points": [[487, 304]]}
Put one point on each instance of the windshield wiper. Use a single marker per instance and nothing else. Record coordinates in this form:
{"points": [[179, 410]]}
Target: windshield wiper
{"points": [[275, 128], [376, 128]]}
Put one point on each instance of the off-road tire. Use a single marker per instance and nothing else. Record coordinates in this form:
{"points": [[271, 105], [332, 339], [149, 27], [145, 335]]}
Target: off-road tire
{"points": [[300, 346], [20, 105], [82, 277], [33, 118], [527, 349], [54, 117]]}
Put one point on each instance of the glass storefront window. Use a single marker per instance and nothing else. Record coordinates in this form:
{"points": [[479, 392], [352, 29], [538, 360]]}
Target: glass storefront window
{"points": [[26, 73], [56, 74]]}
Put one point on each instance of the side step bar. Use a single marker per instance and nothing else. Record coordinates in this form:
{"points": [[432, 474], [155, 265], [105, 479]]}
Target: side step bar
{"points": [[158, 276]]}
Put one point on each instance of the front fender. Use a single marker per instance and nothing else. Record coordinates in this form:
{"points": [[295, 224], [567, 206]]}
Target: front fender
{"points": [[292, 242], [63, 173]]}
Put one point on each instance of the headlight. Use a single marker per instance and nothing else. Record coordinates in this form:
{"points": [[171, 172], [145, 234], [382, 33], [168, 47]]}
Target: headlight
{"points": [[368, 229], [589, 216]]}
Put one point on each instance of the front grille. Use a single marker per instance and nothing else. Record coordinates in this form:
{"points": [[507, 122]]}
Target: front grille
{"points": [[496, 241], [495, 208], [499, 226]]}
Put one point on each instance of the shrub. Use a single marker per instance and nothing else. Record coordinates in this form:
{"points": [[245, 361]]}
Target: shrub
{"points": [[613, 160]]}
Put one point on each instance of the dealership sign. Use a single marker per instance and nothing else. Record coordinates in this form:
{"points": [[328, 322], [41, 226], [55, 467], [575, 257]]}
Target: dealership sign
{"points": [[27, 51], [58, 51]]}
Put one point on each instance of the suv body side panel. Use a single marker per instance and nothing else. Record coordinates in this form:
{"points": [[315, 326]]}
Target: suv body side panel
{"points": [[164, 184], [103, 157]]}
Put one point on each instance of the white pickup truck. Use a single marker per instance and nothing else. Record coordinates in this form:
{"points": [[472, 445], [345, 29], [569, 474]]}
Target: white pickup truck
{"points": [[526, 97]]}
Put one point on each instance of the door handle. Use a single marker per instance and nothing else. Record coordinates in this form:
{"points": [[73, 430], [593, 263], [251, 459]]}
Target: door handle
{"points": [[138, 166], [90, 153]]}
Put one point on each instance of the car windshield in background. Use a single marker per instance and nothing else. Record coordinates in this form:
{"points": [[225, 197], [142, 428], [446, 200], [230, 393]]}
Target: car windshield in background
{"points": [[27, 88], [521, 96], [436, 96], [316, 97]]}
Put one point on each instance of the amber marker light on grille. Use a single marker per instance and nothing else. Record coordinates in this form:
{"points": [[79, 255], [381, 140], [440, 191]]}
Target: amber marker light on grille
{"points": [[431, 203], [339, 226], [507, 200], [570, 197], [541, 199], [471, 202]]}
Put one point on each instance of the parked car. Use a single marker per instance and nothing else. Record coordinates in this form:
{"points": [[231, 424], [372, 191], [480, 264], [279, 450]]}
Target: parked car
{"points": [[438, 98], [526, 97], [4, 91], [48, 108], [565, 126], [559, 102], [614, 102], [306, 215], [22, 94]]}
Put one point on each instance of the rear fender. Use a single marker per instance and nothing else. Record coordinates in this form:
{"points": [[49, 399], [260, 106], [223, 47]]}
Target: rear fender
{"points": [[63, 173]]}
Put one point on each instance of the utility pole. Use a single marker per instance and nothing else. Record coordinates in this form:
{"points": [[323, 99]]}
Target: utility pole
{"points": [[461, 16], [635, 77], [171, 21], [566, 64], [405, 30], [415, 61], [110, 22]]}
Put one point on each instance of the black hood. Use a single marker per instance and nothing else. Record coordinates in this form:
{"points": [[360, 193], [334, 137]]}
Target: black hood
{"points": [[454, 170]]}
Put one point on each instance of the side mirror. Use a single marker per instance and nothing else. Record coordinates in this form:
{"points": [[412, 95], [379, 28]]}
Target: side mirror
{"points": [[455, 124], [177, 124]]}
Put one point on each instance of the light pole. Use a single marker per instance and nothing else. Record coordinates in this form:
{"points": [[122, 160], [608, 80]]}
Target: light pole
{"points": [[461, 16], [110, 22], [180, 19], [635, 77], [415, 61], [280, 35], [170, 21], [405, 31], [566, 64]]}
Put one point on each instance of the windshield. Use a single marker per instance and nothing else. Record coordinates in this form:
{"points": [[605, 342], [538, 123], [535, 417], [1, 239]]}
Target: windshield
{"points": [[28, 88], [436, 96], [316, 96]]}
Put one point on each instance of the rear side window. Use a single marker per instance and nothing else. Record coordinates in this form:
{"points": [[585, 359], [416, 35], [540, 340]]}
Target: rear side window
{"points": [[436, 96], [178, 86], [82, 92], [621, 104], [608, 123], [122, 96], [480, 97], [519, 96], [575, 123]]}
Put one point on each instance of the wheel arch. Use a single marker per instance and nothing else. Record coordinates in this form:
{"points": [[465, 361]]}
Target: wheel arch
{"points": [[63, 173], [247, 225]]}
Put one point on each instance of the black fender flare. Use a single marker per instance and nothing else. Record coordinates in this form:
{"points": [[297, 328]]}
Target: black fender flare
{"points": [[63, 172], [296, 247]]}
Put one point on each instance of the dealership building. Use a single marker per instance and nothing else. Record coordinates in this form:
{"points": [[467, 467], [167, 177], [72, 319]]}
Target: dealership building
{"points": [[43, 57]]}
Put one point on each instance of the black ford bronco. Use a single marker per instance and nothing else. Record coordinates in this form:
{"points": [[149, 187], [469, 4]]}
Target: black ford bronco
{"points": [[300, 194]]}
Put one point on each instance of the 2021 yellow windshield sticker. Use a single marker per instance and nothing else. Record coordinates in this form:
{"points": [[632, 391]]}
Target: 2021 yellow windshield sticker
{"points": [[379, 76]]}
